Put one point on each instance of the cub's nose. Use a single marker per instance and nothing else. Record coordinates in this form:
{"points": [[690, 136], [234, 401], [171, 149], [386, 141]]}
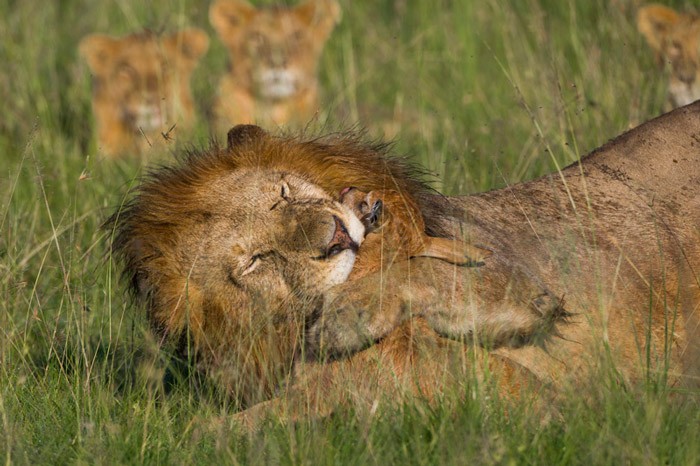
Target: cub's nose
{"points": [[341, 240]]}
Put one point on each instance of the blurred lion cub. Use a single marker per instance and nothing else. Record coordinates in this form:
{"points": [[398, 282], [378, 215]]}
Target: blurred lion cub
{"points": [[141, 86], [395, 230], [675, 39], [274, 54]]}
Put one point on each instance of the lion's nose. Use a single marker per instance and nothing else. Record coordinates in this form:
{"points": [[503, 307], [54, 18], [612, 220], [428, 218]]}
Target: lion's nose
{"points": [[341, 240], [371, 219]]}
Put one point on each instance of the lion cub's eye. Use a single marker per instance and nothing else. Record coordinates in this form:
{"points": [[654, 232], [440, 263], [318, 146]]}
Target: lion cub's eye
{"points": [[126, 72], [675, 49], [297, 36], [294, 41], [257, 41]]}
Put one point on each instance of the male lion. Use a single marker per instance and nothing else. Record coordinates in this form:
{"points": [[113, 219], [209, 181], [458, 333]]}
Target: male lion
{"points": [[274, 54], [141, 86], [675, 39], [616, 233]]}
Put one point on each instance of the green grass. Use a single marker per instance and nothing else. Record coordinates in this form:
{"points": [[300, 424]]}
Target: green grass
{"points": [[483, 93]]}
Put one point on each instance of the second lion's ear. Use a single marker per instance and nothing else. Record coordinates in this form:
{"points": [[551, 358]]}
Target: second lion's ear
{"points": [[654, 22], [321, 16], [98, 51], [188, 45], [243, 134], [229, 18]]}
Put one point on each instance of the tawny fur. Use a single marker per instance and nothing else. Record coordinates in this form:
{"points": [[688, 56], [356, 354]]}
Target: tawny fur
{"points": [[189, 237], [274, 54], [160, 230], [675, 40], [616, 234], [141, 87]]}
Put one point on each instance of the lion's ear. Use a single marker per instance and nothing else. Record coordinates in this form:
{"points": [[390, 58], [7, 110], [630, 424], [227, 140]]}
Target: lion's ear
{"points": [[98, 51], [655, 22], [229, 18], [188, 45], [321, 16], [242, 134]]}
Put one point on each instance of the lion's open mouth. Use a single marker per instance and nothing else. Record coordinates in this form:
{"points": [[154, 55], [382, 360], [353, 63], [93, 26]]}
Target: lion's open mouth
{"points": [[340, 241]]}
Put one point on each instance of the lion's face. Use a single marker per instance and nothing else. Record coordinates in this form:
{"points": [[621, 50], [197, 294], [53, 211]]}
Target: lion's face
{"points": [[236, 247], [142, 80], [283, 236], [207, 251], [675, 39], [277, 48]]}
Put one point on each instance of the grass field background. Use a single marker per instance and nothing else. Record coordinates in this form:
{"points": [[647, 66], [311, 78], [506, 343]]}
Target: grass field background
{"points": [[483, 93]]}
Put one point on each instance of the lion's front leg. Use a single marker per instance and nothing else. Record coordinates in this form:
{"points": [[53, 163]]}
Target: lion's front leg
{"points": [[357, 314], [498, 304]]}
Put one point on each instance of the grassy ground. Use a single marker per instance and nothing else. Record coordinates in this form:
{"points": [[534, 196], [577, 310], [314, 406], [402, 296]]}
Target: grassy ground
{"points": [[483, 93]]}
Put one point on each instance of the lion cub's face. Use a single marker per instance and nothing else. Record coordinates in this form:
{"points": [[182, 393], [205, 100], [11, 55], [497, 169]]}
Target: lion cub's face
{"points": [[675, 39], [141, 83], [274, 51]]}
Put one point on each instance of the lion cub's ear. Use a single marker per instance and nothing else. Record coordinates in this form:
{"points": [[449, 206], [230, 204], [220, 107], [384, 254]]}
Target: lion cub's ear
{"points": [[98, 51], [188, 45], [229, 18], [655, 22], [321, 16], [242, 134]]}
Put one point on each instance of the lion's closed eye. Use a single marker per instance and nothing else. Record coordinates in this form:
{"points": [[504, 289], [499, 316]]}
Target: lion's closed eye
{"points": [[255, 261], [125, 71], [284, 190], [252, 265], [284, 195]]}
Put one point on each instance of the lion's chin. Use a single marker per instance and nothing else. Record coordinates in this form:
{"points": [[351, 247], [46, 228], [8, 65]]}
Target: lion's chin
{"points": [[344, 263]]}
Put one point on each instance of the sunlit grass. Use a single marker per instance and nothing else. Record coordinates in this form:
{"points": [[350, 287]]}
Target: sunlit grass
{"points": [[481, 93]]}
